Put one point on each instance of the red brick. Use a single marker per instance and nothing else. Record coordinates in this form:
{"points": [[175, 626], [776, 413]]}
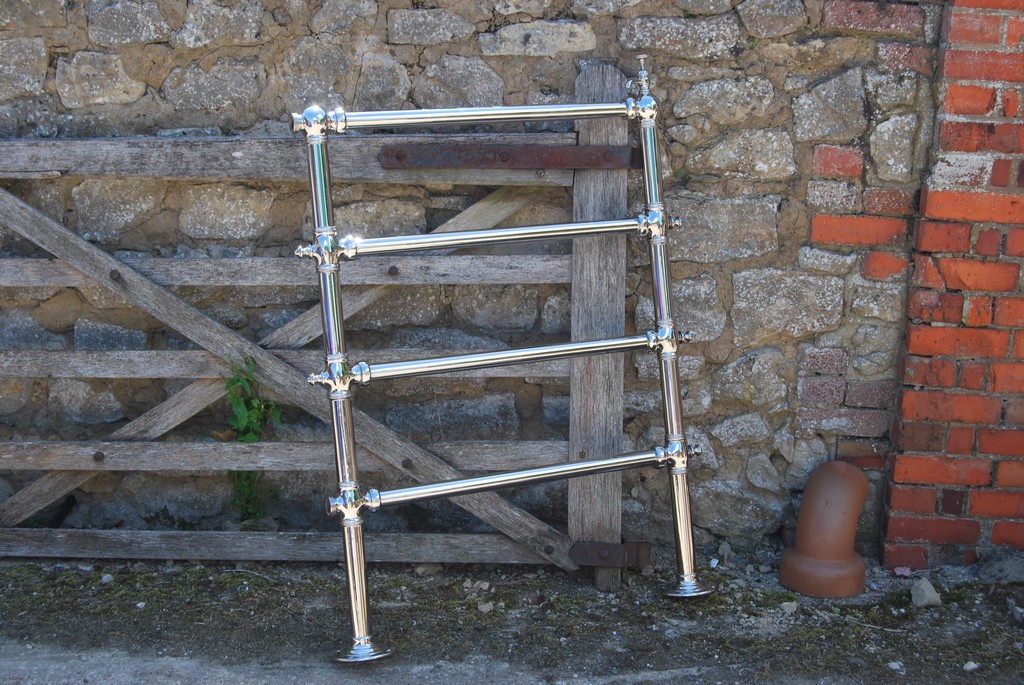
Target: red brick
{"points": [[838, 161], [889, 201], [941, 470], [979, 65], [997, 504], [1008, 533], [1014, 415], [977, 136], [964, 205], [936, 236], [973, 376], [979, 311], [832, 360], [820, 390], [1001, 169], [1010, 474], [1009, 311], [929, 306], [1014, 33], [901, 56], [874, 17], [1008, 377], [871, 455], [951, 502], [976, 274], [973, 100], [863, 423], [884, 266], [936, 341], [1003, 442], [943, 531], [895, 555], [858, 230], [911, 499], [975, 29], [921, 437], [990, 4], [1011, 103], [960, 440], [926, 273], [958, 408], [1015, 242], [871, 394], [989, 243], [929, 372], [1018, 347]]}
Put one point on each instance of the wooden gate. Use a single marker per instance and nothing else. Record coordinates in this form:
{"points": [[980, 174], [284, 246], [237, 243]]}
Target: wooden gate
{"points": [[596, 271]]}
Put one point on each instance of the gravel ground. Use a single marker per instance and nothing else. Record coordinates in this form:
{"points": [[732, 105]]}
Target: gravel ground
{"points": [[183, 622]]}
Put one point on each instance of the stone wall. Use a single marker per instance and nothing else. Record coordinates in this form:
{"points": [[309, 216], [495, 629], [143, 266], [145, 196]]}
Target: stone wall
{"points": [[796, 135]]}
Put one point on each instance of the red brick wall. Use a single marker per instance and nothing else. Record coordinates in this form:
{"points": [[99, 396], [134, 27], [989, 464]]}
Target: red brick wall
{"points": [[957, 481]]}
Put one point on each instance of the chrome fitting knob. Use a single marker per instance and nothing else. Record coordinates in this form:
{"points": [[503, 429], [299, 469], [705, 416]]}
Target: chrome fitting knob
{"points": [[693, 451], [685, 336]]}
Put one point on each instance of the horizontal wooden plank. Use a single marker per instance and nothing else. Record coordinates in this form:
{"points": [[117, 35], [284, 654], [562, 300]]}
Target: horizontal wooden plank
{"points": [[354, 159], [289, 271], [476, 456], [203, 364], [243, 546]]}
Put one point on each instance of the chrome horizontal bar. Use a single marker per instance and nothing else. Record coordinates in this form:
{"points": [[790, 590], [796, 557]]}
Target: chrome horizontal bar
{"points": [[469, 115], [351, 247], [364, 373], [467, 486]]}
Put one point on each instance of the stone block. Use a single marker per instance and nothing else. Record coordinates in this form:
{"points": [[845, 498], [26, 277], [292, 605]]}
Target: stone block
{"points": [[756, 378], [892, 148], [19, 331], [772, 18], [723, 229], [648, 366], [698, 308], [821, 391], [763, 154], [700, 38], [832, 111], [334, 16], [889, 92], [40, 13], [25, 63], [377, 218], [536, 8], [883, 301], [539, 39], [826, 261], [77, 402], [383, 83], [211, 23], [727, 101], [771, 304], [832, 196], [95, 78], [228, 87], [761, 473], [405, 306], [310, 71], [492, 417], [225, 212], [741, 430], [106, 207], [505, 307], [459, 82], [95, 335], [15, 394], [731, 509], [426, 27], [591, 7], [125, 22]]}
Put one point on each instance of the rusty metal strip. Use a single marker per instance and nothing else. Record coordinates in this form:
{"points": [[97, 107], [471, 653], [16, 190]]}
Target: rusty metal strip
{"points": [[464, 156]]}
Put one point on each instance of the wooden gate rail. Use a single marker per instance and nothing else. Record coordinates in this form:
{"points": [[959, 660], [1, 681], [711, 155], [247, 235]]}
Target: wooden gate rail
{"points": [[280, 365]]}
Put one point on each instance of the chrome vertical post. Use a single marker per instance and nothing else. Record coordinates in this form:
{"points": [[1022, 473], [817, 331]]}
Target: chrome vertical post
{"points": [[644, 107], [314, 123]]}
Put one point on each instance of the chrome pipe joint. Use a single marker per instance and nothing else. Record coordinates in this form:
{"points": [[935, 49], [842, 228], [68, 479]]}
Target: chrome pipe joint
{"points": [[314, 122], [339, 376]]}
